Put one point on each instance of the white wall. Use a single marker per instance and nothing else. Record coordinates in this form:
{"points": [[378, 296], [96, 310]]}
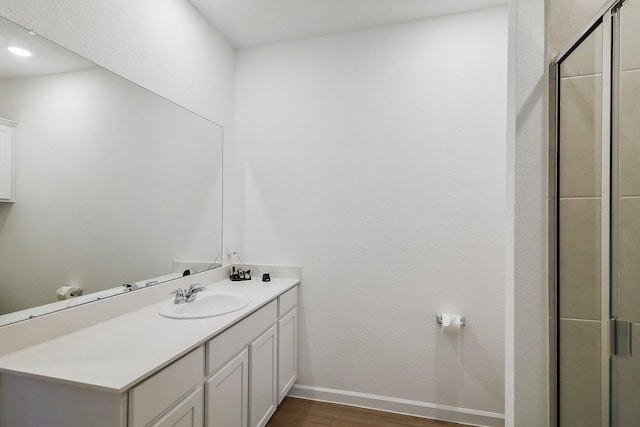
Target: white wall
{"points": [[167, 47], [376, 160], [526, 302]]}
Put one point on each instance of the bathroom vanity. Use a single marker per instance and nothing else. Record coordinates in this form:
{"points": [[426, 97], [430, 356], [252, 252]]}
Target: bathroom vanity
{"points": [[142, 369], [109, 358]]}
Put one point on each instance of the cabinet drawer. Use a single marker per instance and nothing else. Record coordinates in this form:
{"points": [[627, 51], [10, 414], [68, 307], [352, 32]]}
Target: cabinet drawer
{"points": [[152, 397], [227, 344], [287, 301]]}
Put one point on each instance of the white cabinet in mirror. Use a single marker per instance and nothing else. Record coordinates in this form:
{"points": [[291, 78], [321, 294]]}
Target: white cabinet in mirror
{"points": [[115, 184], [7, 148]]}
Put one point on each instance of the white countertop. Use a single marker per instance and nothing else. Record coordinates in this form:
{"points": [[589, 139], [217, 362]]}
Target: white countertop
{"points": [[118, 353]]}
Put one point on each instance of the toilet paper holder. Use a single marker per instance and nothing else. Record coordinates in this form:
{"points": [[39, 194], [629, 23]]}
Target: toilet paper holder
{"points": [[439, 319]]}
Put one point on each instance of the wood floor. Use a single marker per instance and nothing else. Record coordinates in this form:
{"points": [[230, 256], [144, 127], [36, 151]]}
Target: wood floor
{"points": [[294, 412]]}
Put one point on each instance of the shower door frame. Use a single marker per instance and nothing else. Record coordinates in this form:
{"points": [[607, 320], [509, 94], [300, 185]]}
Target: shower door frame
{"points": [[609, 19]]}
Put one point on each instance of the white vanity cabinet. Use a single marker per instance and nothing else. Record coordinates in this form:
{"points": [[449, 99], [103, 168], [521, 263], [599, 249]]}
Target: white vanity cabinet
{"points": [[7, 136], [287, 341], [252, 365], [235, 379]]}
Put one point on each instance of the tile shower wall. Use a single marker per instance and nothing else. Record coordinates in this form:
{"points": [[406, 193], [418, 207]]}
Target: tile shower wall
{"points": [[579, 238]]}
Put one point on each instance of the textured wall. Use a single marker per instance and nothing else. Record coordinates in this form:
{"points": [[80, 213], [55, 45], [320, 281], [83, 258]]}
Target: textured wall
{"points": [[376, 160], [526, 305]]}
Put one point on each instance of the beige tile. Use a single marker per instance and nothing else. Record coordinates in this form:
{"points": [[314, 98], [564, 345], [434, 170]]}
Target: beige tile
{"points": [[580, 136], [586, 58], [630, 259], [629, 38], [630, 134], [629, 384], [579, 370], [579, 264]]}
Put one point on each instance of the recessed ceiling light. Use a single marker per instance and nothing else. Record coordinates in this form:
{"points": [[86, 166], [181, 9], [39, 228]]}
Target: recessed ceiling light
{"points": [[19, 51]]}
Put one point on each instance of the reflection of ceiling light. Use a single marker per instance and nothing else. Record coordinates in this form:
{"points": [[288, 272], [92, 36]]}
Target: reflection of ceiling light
{"points": [[19, 51]]}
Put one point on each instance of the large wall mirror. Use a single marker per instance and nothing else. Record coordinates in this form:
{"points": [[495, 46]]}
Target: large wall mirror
{"points": [[113, 184]]}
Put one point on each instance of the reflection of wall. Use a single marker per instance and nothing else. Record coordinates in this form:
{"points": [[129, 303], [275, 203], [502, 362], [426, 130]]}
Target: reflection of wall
{"points": [[376, 159], [167, 46], [113, 184]]}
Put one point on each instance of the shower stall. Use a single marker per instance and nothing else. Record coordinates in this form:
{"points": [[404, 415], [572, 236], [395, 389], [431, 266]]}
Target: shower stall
{"points": [[595, 223]]}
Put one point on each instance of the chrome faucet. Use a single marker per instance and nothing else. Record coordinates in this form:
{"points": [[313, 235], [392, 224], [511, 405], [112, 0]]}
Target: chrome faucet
{"points": [[189, 295]]}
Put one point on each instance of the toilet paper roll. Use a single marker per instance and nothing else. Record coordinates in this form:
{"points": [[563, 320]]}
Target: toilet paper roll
{"points": [[451, 323], [64, 292]]}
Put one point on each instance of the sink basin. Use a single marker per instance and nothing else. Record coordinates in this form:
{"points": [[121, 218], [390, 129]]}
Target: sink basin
{"points": [[214, 304]]}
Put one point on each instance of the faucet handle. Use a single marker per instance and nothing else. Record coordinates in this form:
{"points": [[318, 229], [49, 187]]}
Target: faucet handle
{"points": [[180, 296], [190, 294]]}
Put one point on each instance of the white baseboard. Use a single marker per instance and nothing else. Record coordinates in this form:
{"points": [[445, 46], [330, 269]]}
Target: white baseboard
{"points": [[400, 406]]}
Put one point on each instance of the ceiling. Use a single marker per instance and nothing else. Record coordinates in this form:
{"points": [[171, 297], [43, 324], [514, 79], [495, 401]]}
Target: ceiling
{"points": [[246, 23]]}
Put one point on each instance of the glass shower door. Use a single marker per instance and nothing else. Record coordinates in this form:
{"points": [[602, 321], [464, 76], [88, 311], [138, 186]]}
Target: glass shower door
{"points": [[581, 318], [597, 227], [625, 302]]}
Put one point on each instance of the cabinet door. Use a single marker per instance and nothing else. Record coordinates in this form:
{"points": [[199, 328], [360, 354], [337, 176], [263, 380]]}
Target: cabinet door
{"points": [[287, 352], [228, 393], [262, 378], [187, 413]]}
